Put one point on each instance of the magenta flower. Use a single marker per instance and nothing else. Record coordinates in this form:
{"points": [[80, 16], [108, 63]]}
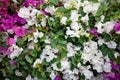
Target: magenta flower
{"points": [[7, 23], [12, 62], [57, 78], [94, 32], [115, 66], [18, 20], [11, 41], [4, 7], [25, 3], [109, 76], [44, 12], [117, 76], [3, 49], [117, 27], [20, 31], [35, 3]]}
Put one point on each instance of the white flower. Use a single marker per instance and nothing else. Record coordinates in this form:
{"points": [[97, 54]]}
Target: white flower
{"points": [[63, 20], [48, 53], [65, 64], [31, 21], [72, 33], [111, 44], [10, 31], [35, 78], [47, 40], [37, 35], [18, 73], [98, 67], [102, 18], [101, 41], [15, 1], [70, 49], [43, 23], [116, 54], [75, 71], [24, 12], [16, 51], [26, 26], [85, 19], [30, 39], [108, 26], [118, 32], [52, 75], [99, 26], [107, 59], [74, 15], [90, 7], [69, 32], [107, 67], [93, 45], [72, 3], [67, 4], [88, 74], [98, 77], [34, 13], [29, 14], [75, 26], [31, 45], [50, 9], [51, 57], [38, 61], [29, 77]]}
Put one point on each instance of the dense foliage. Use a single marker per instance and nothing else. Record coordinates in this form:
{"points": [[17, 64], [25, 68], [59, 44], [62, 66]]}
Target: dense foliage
{"points": [[59, 39]]}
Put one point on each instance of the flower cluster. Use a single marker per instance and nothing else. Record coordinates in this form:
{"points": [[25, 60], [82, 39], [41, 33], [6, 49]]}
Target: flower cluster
{"points": [[59, 39]]}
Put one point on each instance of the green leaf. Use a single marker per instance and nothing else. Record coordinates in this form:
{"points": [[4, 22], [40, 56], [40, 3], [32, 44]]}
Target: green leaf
{"points": [[82, 39], [42, 6], [61, 41], [34, 72], [54, 1], [33, 53], [63, 54], [43, 73], [20, 41], [107, 51], [53, 43], [101, 9], [26, 67], [22, 62], [59, 65], [95, 1], [29, 59], [104, 49], [111, 54], [106, 37], [84, 27], [61, 9]]}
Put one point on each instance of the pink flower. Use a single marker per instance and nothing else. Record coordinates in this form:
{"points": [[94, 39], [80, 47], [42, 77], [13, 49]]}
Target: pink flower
{"points": [[11, 41], [3, 50], [12, 62], [19, 31], [44, 12], [35, 3], [109, 76], [57, 78], [94, 32], [117, 27]]}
